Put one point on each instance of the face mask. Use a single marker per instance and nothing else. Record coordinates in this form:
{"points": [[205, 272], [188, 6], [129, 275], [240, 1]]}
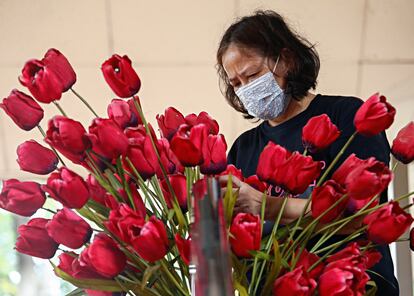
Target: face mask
{"points": [[263, 98]]}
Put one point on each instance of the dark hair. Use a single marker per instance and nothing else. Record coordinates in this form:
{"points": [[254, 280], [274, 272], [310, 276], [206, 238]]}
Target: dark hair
{"points": [[267, 33]]}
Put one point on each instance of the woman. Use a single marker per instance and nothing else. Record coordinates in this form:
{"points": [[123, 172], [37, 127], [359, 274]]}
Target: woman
{"points": [[268, 71]]}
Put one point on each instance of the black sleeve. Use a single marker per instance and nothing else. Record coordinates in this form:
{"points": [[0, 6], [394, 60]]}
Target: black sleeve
{"points": [[364, 147], [232, 155]]}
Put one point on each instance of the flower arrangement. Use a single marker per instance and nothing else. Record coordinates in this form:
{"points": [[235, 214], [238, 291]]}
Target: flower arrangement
{"points": [[127, 227]]}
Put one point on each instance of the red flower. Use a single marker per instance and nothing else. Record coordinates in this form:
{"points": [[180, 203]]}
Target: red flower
{"points": [[324, 197], [178, 183], [120, 76], [169, 122], [122, 112], [58, 63], [350, 164], [34, 240], [104, 256], [214, 154], [96, 191], [363, 260], [102, 133], [42, 82], [203, 118], [151, 241], [184, 247], [246, 234], [232, 170], [34, 158], [68, 137], [306, 260], [67, 188], [296, 282], [187, 144], [272, 158], [368, 179], [124, 221], [69, 263], [319, 133], [391, 218], [69, 229], [255, 182], [374, 116], [403, 144], [22, 198], [22, 109], [342, 277]]}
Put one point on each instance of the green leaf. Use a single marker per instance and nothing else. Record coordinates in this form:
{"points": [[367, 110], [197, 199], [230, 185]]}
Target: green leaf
{"points": [[77, 292], [229, 200], [240, 288], [373, 290], [147, 274], [275, 268], [260, 255]]}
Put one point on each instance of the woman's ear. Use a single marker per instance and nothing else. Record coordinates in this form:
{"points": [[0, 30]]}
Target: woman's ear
{"points": [[286, 61]]}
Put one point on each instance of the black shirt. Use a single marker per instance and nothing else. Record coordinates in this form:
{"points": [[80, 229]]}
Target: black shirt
{"points": [[245, 152]]}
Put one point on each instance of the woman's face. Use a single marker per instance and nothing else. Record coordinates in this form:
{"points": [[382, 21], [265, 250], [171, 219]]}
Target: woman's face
{"points": [[244, 65]]}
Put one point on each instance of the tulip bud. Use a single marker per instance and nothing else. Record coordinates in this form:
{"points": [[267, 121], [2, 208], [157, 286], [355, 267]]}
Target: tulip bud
{"points": [[58, 63], [69, 229], [34, 240], [214, 154], [120, 112], [120, 76], [403, 144], [296, 282], [179, 186], [319, 133], [246, 234], [69, 263], [323, 197], [184, 247], [374, 116], [169, 122], [34, 158], [22, 109], [203, 118], [21, 198], [67, 188]]}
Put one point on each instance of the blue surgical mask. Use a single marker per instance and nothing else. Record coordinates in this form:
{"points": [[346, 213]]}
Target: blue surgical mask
{"points": [[263, 98]]}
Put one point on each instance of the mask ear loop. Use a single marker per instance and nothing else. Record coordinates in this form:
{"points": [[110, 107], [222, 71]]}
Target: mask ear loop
{"points": [[274, 67]]}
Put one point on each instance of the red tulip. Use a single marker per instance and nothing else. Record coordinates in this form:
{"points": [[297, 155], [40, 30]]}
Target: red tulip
{"points": [[69, 263], [184, 247], [296, 282], [319, 133], [363, 260], [67, 188], [179, 186], [69, 229], [123, 222], [135, 198], [96, 191], [374, 116], [68, 137], [306, 260], [272, 158], [403, 144], [34, 240], [169, 122], [350, 164], [187, 144], [168, 159], [368, 179], [120, 112], [232, 170], [43, 83], [214, 154], [120, 76], [34, 158], [255, 182], [100, 293], [391, 218], [203, 118], [102, 133], [246, 234], [136, 117], [354, 205], [104, 256], [151, 241], [58, 63], [342, 278], [324, 197], [22, 109], [21, 198]]}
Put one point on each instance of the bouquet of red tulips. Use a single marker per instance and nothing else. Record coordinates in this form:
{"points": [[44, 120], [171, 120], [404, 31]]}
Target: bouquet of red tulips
{"points": [[126, 227]]}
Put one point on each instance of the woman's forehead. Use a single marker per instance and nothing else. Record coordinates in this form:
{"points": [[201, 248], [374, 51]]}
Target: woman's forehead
{"points": [[238, 59]]}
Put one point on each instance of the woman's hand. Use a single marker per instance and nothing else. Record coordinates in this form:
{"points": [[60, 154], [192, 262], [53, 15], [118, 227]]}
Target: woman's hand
{"points": [[249, 200]]}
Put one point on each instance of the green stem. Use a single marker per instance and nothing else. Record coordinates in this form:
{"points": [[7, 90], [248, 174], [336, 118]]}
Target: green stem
{"points": [[336, 159], [54, 150], [48, 210], [172, 278], [60, 108], [85, 102]]}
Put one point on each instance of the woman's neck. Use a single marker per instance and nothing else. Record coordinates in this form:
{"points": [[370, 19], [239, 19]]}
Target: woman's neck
{"points": [[294, 108]]}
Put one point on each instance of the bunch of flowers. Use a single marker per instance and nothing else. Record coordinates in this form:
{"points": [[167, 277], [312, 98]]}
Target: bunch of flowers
{"points": [[126, 226]]}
